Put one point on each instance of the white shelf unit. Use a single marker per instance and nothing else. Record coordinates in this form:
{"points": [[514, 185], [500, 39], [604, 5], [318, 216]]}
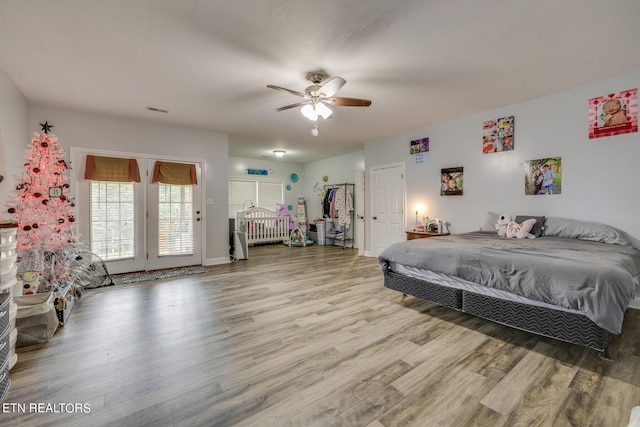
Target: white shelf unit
{"points": [[8, 309]]}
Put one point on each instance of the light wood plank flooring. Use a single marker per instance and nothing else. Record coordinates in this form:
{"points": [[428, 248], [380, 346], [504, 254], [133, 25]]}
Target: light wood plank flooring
{"points": [[310, 337]]}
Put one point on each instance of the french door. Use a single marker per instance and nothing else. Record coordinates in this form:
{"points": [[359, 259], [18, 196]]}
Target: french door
{"points": [[139, 226], [174, 223]]}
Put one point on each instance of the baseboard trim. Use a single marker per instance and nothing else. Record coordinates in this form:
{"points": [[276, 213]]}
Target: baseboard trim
{"points": [[217, 261], [635, 303]]}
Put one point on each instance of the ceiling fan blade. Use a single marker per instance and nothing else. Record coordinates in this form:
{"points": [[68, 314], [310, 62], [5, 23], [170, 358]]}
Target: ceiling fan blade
{"points": [[292, 92], [297, 104], [332, 86], [349, 102]]}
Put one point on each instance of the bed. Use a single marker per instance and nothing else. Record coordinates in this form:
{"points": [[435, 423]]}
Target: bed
{"points": [[573, 282], [262, 225]]}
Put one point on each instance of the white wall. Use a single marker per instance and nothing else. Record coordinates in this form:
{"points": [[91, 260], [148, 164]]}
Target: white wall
{"points": [[14, 137], [339, 170], [600, 180], [278, 169], [88, 130]]}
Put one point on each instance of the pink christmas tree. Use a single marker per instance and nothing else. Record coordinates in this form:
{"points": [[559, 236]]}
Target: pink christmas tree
{"points": [[43, 209]]}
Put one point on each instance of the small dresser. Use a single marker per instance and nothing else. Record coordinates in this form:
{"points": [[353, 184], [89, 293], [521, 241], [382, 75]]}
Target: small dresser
{"points": [[423, 234]]}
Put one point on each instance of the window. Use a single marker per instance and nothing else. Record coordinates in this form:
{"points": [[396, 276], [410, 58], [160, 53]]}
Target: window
{"points": [[112, 219], [175, 219], [265, 194]]}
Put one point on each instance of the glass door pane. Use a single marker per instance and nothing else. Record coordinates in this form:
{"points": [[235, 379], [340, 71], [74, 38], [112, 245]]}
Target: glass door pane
{"points": [[175, 207], [112, 227]]}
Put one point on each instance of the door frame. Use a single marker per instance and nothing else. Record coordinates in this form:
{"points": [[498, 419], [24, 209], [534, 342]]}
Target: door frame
{"points": [[373, 238], [77, 157]]}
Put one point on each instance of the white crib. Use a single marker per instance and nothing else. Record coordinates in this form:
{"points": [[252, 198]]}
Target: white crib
{"points": [[261, 225]]}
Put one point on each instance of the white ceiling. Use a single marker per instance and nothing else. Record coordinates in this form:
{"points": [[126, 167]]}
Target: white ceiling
{"points": [[208, 62]]}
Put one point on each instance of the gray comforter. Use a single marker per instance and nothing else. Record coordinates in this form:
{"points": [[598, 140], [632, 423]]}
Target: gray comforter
{"points": [[595, 278]]}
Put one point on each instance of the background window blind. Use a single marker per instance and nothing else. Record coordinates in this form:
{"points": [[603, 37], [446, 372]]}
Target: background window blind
{"points": [[112, 219], [175, 220]]}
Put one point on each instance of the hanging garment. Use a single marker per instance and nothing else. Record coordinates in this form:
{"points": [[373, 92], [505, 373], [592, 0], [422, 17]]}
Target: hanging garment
{"points": [[343, 206]]}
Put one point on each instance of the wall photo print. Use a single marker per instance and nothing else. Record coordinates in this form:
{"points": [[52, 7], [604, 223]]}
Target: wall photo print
{"points": [[497, 135], [451, 181], [543, 176], [613, 114], [418, 148]]}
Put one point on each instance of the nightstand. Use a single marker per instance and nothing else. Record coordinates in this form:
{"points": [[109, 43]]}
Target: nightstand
{"points": [[423, 234]]}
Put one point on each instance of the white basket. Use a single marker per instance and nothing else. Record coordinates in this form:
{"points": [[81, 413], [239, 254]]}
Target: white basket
{"points": [[322, 227]]}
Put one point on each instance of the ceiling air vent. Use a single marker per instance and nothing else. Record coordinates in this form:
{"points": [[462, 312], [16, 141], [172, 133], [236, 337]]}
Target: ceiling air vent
{"points": [[157, 110]]}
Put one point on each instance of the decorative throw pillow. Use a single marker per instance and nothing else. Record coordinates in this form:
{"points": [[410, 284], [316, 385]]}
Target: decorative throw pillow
{"points": [[522, 230], [538, 227]]}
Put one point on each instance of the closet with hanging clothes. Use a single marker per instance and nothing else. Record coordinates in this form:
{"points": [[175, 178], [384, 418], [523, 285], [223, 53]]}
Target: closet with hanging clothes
{"points": [[337, 211]]}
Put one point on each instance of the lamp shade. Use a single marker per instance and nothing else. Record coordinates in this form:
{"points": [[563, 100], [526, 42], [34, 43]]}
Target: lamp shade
{"points": [[309, 112], [323, 110]]}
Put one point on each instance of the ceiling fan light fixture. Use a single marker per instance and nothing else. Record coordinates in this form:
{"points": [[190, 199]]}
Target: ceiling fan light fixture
{"points": [[309, 112], [323, 110], [314, 129], [279, 153]]}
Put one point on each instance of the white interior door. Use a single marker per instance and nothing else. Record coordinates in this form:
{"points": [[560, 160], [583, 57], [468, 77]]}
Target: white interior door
{"points": [[387, 207], [174, 223]]}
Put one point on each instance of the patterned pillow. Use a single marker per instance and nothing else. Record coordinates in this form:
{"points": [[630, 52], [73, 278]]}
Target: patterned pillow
{"points": [[520, 231], [538, 227]]}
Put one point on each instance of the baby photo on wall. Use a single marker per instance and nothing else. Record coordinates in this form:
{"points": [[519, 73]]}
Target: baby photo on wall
{"points": [[613, 114], [451, 181], [497, 135], [543, 176]]}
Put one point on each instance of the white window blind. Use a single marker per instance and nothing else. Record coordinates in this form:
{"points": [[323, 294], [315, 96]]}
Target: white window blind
{"points": [[112, 219], [239, 193], [269, 193], [264, 194], [175, 219]]}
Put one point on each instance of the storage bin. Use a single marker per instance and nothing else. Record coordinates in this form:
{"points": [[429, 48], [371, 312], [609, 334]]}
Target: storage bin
{"points": [[8, 235], [36, 320], [323, 227]]}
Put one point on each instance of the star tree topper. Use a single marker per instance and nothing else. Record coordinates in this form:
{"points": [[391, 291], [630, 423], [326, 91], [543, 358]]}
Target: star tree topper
{"points": [[45, 127]]}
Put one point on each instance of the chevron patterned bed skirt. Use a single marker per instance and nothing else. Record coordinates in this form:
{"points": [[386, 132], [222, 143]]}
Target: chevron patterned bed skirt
{"points": [[556, 324]]}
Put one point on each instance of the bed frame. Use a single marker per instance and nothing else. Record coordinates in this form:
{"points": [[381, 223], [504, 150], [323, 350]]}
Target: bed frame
{"points": [[262, 225], [557, 324]]}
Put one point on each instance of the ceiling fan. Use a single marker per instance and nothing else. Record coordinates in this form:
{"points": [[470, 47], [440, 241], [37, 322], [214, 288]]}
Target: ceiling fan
{"points": [[318, 96]]}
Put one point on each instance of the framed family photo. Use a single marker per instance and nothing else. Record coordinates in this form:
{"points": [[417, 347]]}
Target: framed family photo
{"points": [[543, 176], [497, 135], [452, 181]]}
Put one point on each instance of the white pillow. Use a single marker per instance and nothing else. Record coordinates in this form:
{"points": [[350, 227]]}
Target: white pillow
{"points": [[489, 222], [584, 230]]}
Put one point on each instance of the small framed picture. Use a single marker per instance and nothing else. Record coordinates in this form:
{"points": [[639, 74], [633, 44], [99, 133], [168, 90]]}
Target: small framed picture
{"points": [[497, 135], [451, 181], [613, 114], [419, 146], [55, 191], [543, 176]]}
